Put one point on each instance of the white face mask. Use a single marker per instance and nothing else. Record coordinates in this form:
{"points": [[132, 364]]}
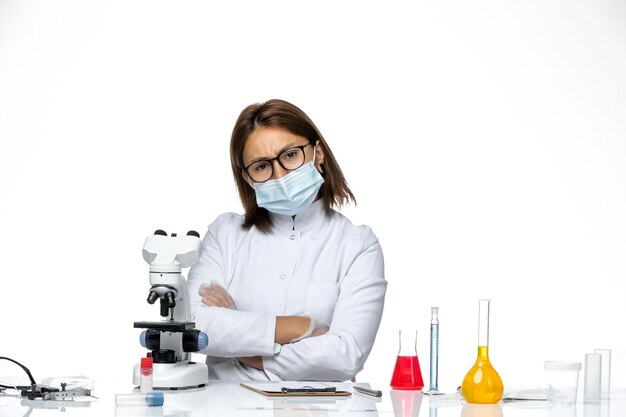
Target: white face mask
{"points": [[291, 194]]}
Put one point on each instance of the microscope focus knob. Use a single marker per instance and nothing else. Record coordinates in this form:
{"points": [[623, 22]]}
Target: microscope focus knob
{"points": [[203, 340], [150, 339], [160, 232], [193, 233], [194, 340]]}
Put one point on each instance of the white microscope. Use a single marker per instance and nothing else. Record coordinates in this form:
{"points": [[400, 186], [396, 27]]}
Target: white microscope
{"points": [[173, 339]]}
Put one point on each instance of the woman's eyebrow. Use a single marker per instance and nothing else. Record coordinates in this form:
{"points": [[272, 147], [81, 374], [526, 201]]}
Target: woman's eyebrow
{"points": [[261, 158]]}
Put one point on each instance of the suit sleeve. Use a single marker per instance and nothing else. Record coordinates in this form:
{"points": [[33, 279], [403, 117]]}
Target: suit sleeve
{"points": [[341, 353], [231, 333]]}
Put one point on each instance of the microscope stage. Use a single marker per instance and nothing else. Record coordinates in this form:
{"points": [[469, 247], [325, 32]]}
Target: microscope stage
{"points": [[168, 326]]}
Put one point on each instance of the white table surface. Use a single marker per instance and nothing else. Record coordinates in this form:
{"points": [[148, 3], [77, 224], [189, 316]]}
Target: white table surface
{"points": [[229, 399]]}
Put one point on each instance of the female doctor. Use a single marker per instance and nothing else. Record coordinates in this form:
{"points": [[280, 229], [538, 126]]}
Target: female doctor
{"points": [[291, 289]]}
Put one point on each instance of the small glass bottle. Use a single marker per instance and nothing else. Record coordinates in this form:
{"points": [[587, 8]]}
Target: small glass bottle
{"points": [[145, 378], [482, 384], [145, 400], [407, 374]]}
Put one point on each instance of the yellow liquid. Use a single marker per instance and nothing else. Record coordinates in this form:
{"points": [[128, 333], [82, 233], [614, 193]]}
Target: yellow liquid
{"points": [[482, 384]]}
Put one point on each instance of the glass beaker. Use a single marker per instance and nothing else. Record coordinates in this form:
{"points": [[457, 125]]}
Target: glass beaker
{"points": [[407, 374], [482, 384]]}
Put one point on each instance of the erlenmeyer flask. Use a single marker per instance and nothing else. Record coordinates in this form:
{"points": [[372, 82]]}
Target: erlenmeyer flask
{"points": [[482, 384], [407, 373]]}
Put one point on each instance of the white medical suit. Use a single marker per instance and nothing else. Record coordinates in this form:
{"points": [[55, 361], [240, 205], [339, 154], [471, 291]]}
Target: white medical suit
{"points": [[315, 265]]}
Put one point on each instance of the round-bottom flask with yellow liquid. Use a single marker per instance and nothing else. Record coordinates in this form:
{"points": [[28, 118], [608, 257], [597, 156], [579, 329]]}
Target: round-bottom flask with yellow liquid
{"points": [[482, 384]]}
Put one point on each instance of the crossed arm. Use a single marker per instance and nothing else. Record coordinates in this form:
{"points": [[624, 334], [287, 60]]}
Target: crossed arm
{"points": [[288, 328]]}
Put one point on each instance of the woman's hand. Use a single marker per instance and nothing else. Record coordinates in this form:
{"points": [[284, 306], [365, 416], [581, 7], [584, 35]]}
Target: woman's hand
{"points": [[252, 361], [290, 329], [319, 330], [215, 295]]}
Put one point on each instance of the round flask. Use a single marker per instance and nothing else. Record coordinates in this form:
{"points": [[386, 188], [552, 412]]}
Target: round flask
{"points": [[482, 384]]}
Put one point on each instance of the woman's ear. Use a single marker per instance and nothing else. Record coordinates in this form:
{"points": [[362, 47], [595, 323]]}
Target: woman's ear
{"points": [[319, 156], [247, 179]]}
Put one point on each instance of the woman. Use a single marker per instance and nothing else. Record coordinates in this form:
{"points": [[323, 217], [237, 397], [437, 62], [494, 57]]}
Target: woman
{"points": [[290, 290]]}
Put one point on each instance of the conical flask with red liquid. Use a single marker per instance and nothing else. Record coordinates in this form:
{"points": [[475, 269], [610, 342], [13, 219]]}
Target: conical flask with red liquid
{"points": [[407, 374]]}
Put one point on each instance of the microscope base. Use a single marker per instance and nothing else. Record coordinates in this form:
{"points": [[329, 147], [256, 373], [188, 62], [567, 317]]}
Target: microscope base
{"points": [[175, 376]]}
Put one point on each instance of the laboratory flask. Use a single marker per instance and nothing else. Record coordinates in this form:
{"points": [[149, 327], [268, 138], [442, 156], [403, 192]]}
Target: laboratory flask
{"points": [[482, 384], [407, 374]]}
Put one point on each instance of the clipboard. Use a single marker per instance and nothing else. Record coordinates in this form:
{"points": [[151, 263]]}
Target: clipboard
{"points": [[291, 389]]}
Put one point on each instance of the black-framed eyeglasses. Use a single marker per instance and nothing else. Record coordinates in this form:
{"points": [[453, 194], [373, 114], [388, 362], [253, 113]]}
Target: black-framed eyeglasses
{"points": [[289, 159]]}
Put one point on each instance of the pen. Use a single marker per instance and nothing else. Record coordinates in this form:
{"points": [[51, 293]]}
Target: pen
{"points": [[372, 392], [308, 390]]}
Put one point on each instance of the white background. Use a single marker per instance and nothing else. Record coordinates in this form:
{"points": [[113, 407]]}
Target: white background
{"points": [[485, 142]]}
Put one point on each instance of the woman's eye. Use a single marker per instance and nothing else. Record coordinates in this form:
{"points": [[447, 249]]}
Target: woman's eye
{"points": [[261, 166]]}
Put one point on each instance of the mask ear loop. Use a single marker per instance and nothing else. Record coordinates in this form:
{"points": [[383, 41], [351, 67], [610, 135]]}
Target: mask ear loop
{"points": [[320, 168], [247, 179]]}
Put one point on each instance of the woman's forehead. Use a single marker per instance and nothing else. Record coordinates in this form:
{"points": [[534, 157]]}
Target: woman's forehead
{"points": [[269, 141]]}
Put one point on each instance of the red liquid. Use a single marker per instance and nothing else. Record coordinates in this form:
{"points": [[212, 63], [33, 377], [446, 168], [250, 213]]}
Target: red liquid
{"points": [[407, 374]]}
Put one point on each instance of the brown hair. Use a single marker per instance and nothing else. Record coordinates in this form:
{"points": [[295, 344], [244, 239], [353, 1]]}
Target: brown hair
{"points": [[279, 113]]}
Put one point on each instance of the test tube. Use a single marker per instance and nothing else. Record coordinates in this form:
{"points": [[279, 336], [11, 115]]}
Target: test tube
{"points": [[150, 400]]}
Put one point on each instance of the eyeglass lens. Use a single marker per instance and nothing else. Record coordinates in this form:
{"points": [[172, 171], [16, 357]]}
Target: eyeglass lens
{"points": [[261, 171]]}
